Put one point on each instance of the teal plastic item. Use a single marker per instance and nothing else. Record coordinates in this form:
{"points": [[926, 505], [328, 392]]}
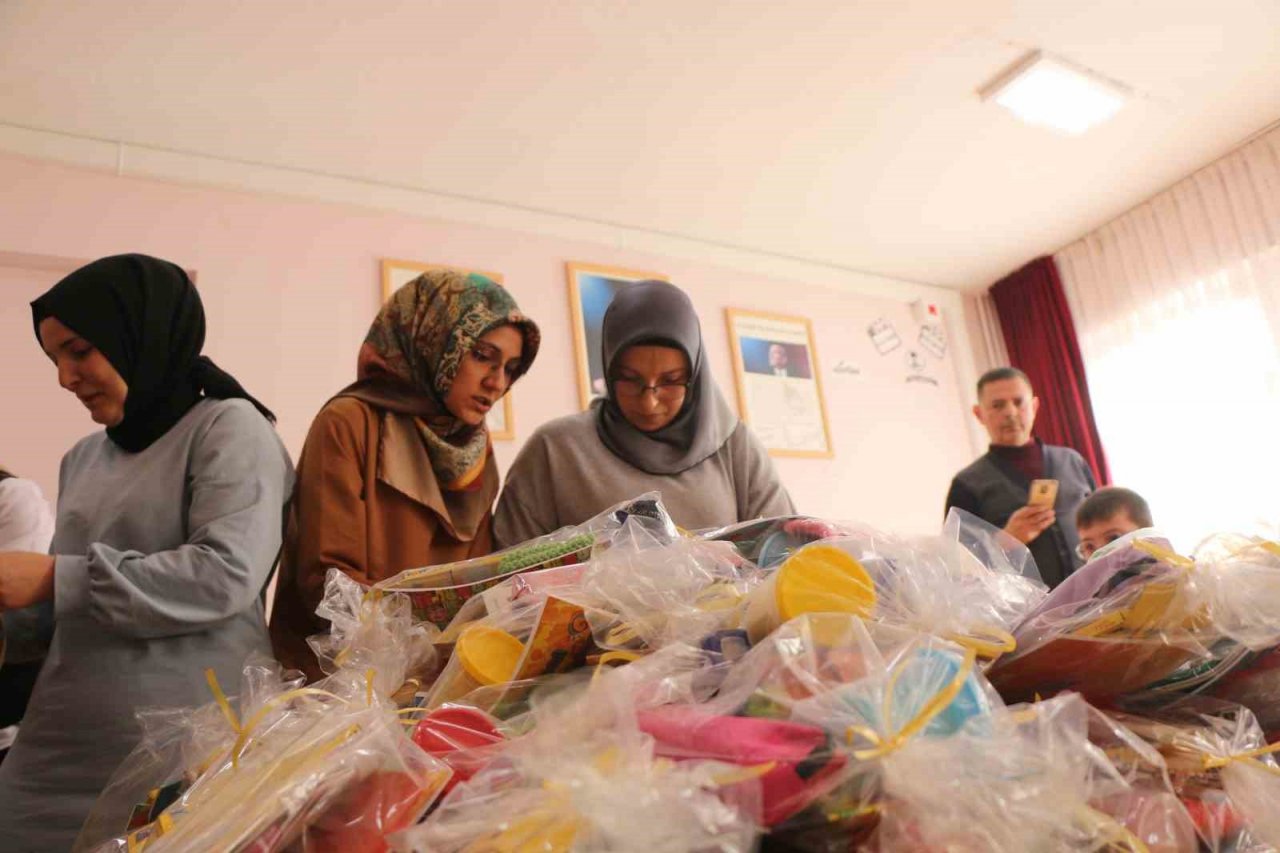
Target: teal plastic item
{"points": [[922, 677], [931, 670]]}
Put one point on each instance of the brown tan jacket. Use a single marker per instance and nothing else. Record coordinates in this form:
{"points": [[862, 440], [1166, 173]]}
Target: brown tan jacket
{"points": [[346, 513]]}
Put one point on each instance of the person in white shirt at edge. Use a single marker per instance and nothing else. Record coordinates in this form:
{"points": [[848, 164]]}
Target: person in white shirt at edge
{"points": [[26, 524]]}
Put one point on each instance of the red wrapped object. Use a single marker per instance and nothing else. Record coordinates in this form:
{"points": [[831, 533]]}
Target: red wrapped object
{"points": [[465, 738]]}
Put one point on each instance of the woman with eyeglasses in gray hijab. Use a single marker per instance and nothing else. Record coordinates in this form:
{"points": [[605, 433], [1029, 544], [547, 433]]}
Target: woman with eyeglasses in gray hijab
{"points": [[663, 425]]}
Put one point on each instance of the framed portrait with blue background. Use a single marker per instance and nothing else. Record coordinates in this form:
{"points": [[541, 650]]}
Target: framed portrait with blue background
{"points": [[775, 366], [775, 358], [591, 289]]}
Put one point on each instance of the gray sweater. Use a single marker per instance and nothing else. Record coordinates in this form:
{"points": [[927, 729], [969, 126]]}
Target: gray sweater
{"points": [[161, 556], [994, 490], [565, 475]]}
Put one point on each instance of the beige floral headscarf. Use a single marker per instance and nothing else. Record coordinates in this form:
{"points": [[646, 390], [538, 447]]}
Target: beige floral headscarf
{"points": [[413, 351]]}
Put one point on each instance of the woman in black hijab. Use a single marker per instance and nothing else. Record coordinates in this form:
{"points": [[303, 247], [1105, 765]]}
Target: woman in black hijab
{"points": [[145, 317], [167, 525], [664, 425]]}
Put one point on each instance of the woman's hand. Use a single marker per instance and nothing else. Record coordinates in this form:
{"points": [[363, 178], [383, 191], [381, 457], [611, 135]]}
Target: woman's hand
{"points": [[25, 579]]}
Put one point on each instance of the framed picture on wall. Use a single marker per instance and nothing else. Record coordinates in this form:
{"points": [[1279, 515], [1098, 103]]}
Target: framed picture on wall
{"points": [[591, 289], [775, 369], [395, 273]]}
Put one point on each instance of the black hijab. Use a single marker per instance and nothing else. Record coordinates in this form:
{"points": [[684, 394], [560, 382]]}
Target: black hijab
{"points": [[144, 315], [656, 312]]}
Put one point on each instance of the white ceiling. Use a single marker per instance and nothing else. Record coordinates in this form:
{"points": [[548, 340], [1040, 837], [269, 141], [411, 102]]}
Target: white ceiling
{"points": [[834, 131]]}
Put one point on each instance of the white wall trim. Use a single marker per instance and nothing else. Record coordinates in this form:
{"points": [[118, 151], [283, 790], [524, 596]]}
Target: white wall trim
{"points": [[127, 159]]}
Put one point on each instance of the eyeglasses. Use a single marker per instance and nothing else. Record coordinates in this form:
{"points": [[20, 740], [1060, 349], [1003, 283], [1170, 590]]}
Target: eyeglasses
{"points": [[663, 391], [1084, 551]]}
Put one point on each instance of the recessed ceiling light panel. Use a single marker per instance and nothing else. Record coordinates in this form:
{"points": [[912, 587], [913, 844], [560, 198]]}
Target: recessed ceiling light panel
{"points": [[1050, 92]]}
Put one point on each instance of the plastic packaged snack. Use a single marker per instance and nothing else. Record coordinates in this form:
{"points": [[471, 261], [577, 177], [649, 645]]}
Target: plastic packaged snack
{"points": [[373, 633], [309, 772], [177, 746], [485, 654], [938, 584], [1237, 581], [1026, 778], [496, 658], [643, 592], [871, 688], [463, 737], [587, 779], [807, 656], [1140, 623], [1221, 769], [437, 593], [325, 767], [818, 578]]}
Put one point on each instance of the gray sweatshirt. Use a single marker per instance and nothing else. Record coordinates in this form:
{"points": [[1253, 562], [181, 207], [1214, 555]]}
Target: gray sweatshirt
{"points": [[161, 556], [565, 475]]}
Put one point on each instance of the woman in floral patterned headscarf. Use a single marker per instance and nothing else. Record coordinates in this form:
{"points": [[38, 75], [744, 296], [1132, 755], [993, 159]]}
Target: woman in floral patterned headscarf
{"points": [[397, 470]]}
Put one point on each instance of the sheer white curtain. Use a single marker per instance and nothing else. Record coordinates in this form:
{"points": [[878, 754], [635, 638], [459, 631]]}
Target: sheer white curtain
{"points": [[989, 349], [1177, 307]]}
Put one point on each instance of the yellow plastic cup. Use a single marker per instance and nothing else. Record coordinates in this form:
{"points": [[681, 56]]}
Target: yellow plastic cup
{"points": [[483, 656], [816, 579]]}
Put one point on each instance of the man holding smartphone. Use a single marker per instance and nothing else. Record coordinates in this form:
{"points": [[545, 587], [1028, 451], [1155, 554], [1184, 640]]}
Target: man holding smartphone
{"points": [[1028, 488]]}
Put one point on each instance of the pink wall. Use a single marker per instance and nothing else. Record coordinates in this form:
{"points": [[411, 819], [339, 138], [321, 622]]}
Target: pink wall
{"points": [[290, 286]]}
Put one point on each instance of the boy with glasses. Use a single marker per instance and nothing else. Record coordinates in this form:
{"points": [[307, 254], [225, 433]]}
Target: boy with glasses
{"points": [[1108, 514]]}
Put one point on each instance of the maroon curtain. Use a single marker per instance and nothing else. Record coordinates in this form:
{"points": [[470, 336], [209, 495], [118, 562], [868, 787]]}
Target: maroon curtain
{"points": [[1041, 338]]}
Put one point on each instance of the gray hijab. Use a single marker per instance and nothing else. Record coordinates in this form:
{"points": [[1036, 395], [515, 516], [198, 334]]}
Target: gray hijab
{"points": [[656, 312]]}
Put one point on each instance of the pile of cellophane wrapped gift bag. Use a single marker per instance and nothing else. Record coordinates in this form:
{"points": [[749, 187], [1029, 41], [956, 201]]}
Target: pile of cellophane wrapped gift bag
{"points": [[786, 684]]}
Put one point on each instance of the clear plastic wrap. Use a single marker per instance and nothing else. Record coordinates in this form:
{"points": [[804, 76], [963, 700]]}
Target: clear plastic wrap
{"points": [[799, 762], [319, 768], [639, 594], [1221, 769], [1026, 778], [497, 659], [373, 633], [1120, 624], [464, 738], [309, 772], [1131, 784], [1121, 563], [939, 584], [586, 779], [990, 545], [177, 746], [807, 656], [1237, 581], [621, 800], [437, 593], [643, 592], [871, 688], [767, 542]]}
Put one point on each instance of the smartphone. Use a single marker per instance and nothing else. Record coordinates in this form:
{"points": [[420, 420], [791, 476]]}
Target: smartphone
{"points": [[1043, 493]]}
